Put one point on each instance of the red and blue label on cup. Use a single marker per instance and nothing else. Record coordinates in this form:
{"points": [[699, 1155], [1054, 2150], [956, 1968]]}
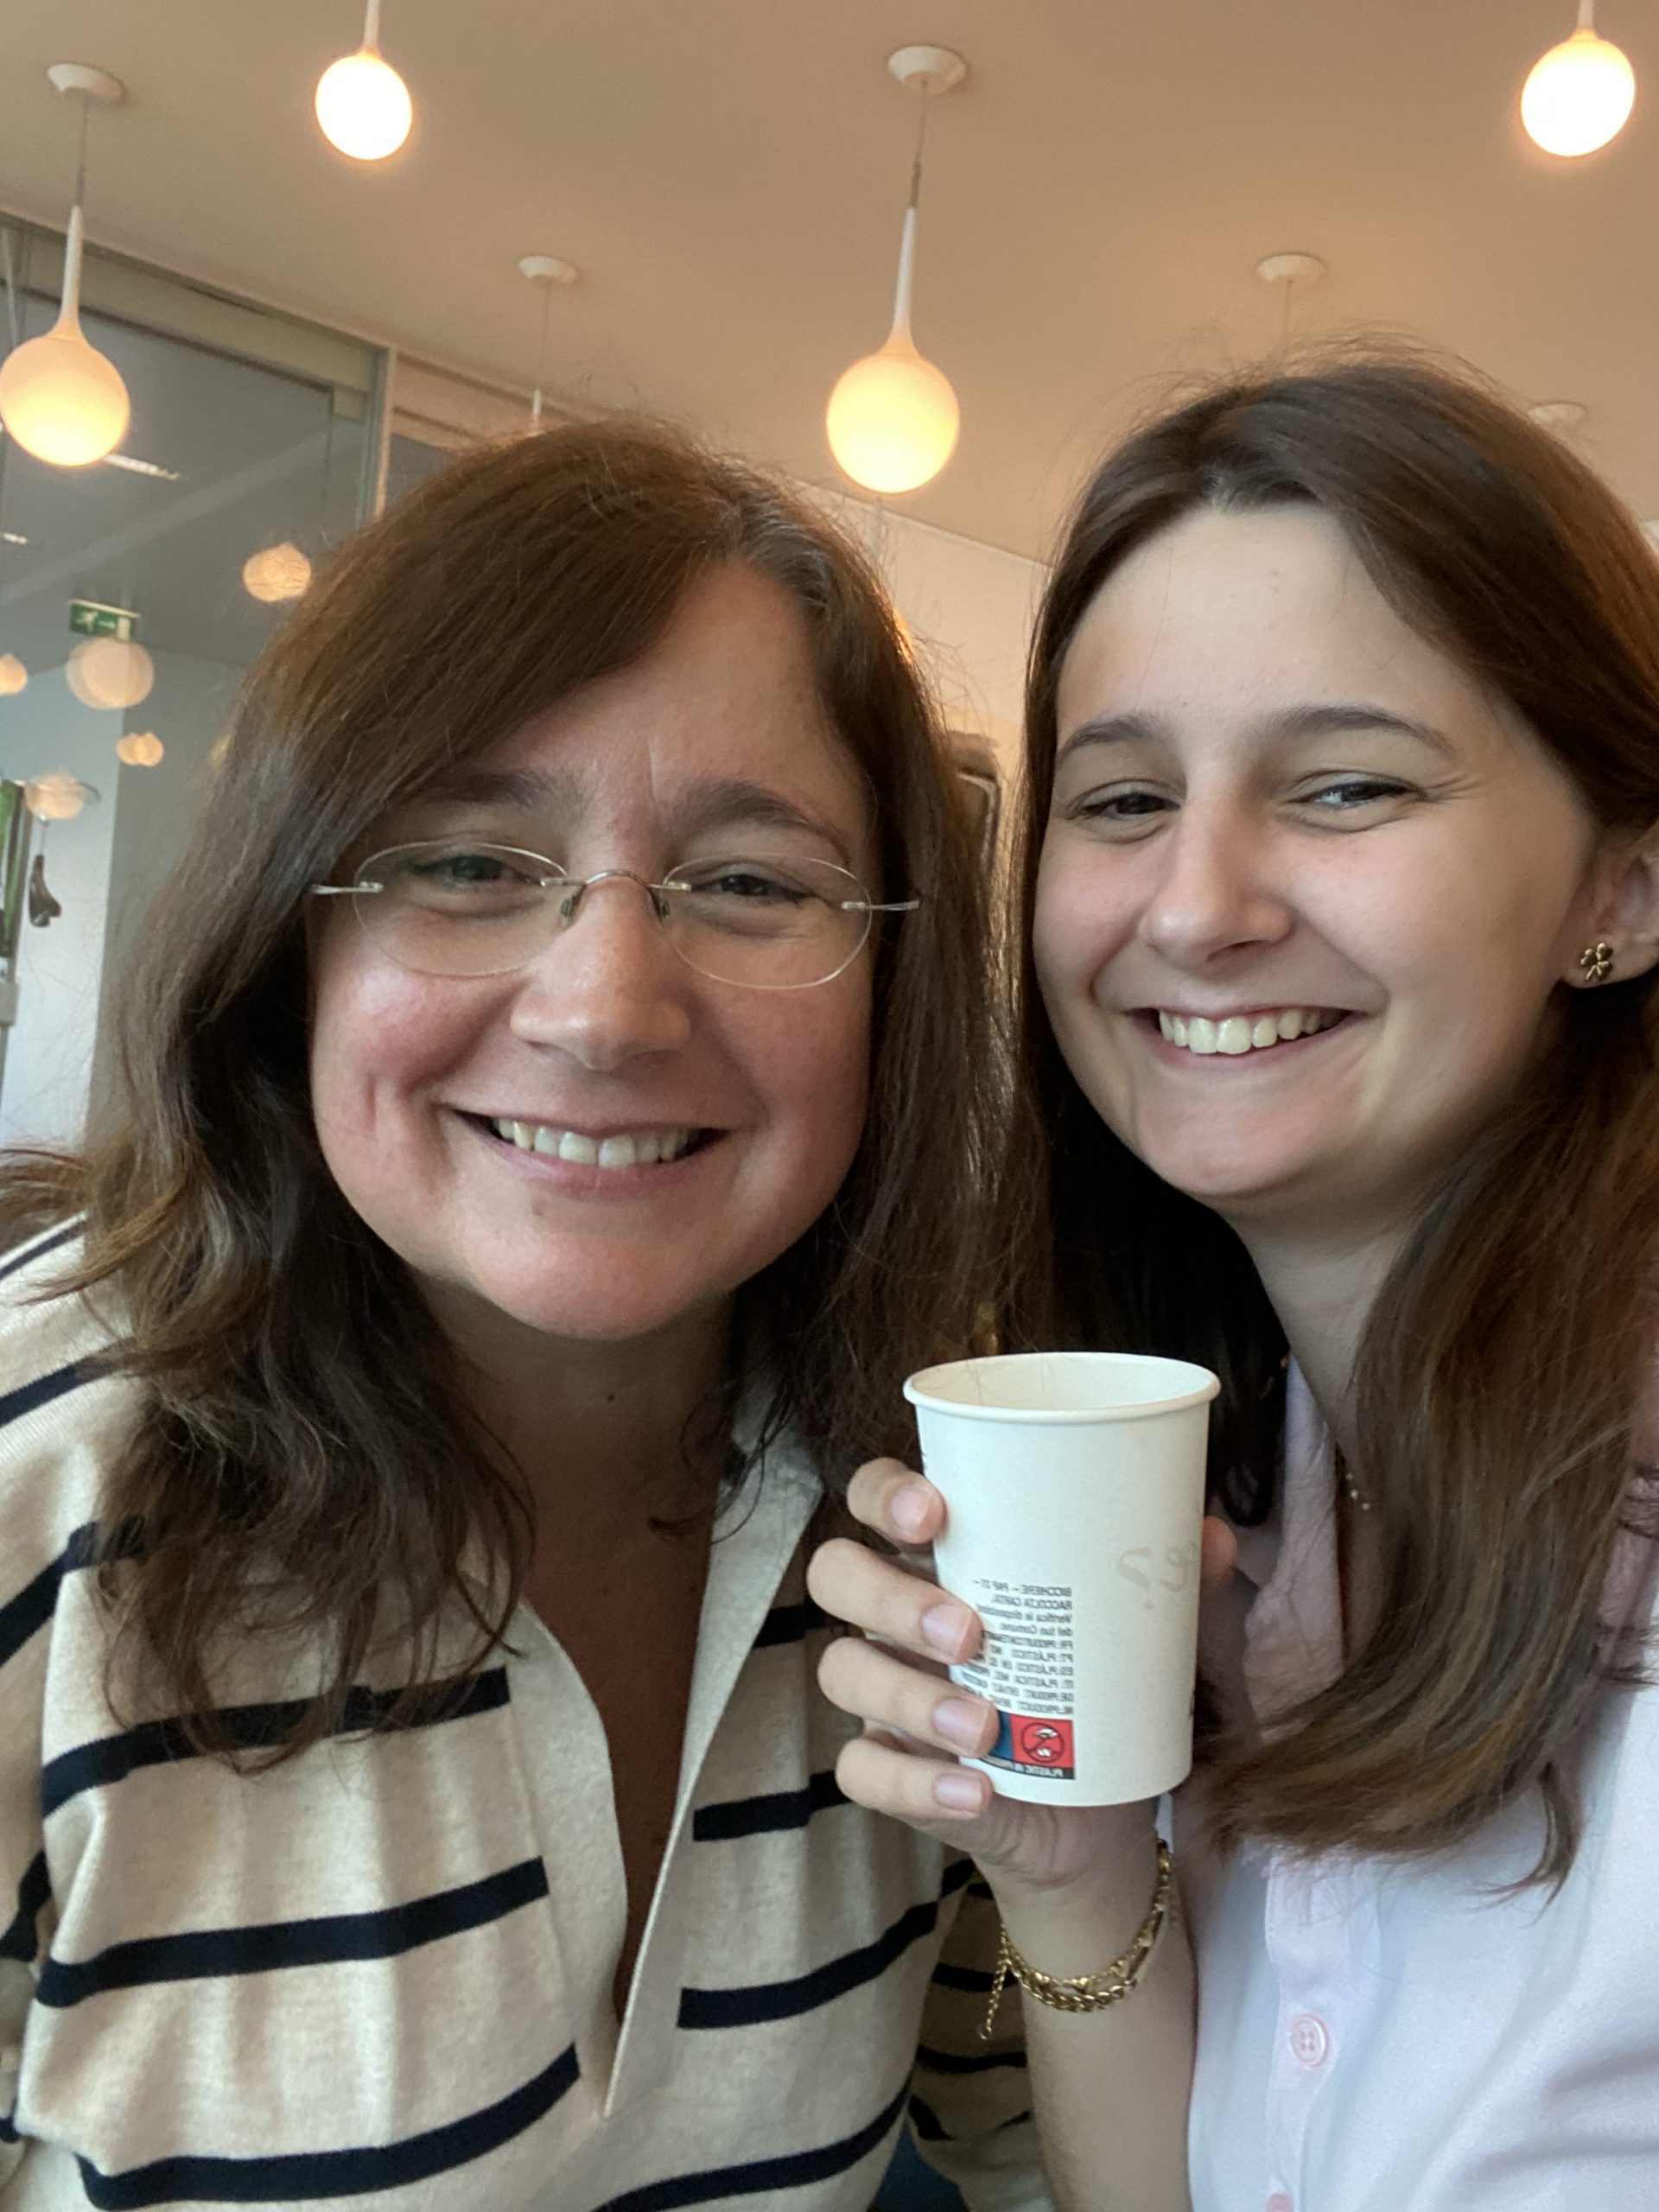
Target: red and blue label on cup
{"points": [[1030, 1743]]}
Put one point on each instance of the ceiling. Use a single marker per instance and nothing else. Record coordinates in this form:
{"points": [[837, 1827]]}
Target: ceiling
{"points": [[729, 176]]}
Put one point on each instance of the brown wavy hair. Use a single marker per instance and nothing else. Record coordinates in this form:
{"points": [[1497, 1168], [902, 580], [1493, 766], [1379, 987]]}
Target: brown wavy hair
{"points": [[1498, 1382], [300, 1435]]}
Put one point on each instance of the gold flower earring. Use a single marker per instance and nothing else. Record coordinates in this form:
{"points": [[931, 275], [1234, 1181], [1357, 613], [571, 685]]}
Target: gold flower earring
{"points": [[1595, 962]]}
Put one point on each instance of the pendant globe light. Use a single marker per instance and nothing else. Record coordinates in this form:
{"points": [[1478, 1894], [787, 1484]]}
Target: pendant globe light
{"points": [[1579, 94], [362, 103], [60, 398], [892, 417]]}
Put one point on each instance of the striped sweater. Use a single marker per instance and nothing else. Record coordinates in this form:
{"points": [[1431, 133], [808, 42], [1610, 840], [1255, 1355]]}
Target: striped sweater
{"points": [[380, 1973]]}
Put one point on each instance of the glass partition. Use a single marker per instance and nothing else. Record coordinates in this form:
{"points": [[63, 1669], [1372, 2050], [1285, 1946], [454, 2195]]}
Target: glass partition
{"points": [[256, 438]]}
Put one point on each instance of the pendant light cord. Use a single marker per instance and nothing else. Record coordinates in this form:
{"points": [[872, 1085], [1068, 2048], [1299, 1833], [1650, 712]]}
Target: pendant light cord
{"points": [[1586, 14], [916, 165], [541, 353], [81, 152]]}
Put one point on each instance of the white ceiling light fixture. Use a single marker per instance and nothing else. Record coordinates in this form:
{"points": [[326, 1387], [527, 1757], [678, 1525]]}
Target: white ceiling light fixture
{"points": [[1561, 416], [551, 274], [892, 418], [13, 676], [278, 573], [1579, 94], [363, 104], [1288, 270], [60, 398], [139, 748], [106, 672]]}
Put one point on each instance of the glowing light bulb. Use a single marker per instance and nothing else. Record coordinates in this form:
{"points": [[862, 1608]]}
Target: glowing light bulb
{"points": [[892, 419], [55, 797], [362, 103], [280, 572], [59, 396], [139, 748], [13, 674], [1579, 95], [109, 672]]}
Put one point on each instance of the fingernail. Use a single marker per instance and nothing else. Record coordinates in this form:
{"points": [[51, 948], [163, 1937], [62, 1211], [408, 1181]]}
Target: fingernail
{"points": [[959, 1792], [946, 1626], [909, 1510], [959, 1722]]}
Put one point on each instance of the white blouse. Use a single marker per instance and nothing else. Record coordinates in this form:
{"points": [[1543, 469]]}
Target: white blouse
{"points": [[1405, 2037]]}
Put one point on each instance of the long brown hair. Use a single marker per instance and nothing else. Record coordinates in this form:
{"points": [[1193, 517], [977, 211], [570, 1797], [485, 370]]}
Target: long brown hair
{"points": [[1496, 1384], [296, 1411]]}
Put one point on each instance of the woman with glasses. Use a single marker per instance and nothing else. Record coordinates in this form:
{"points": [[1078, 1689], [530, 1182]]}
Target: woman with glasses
{"points": [[549, 1110], [1341, 908]]}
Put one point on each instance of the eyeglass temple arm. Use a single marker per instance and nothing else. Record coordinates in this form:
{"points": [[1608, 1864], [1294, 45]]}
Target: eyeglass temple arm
{"points": [[874, 907], [342, 890]]}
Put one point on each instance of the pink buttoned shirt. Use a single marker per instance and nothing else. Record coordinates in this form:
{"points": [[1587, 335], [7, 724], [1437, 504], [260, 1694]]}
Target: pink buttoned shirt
{"points": [[1412, 2036]]}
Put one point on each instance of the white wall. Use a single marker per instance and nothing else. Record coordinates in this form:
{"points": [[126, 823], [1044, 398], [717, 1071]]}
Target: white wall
{"points": [[969, 608], [50, 1053], [103, 867]]}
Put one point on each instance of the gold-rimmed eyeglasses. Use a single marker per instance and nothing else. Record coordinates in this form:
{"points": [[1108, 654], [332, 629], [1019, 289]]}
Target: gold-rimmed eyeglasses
{"points": [[453, 907]]}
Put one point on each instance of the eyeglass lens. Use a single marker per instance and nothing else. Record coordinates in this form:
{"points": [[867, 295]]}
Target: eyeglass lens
{"points": [[470, 910]]}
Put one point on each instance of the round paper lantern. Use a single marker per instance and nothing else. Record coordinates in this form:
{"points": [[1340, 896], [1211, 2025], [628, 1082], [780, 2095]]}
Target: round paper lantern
{"points": [[55, 797], [109, 672], [280, 572], [13, 674], [139, 748]]}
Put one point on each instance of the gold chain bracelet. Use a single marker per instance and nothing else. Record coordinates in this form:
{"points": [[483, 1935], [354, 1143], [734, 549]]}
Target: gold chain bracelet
{"points": [[1085, 1992]]}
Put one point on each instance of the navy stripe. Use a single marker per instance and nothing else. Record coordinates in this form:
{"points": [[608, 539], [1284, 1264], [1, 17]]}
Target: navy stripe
{"points": [[957, 1876], [956, 2062], [786, 1808], [973, 1979], [40, 1392], [759, 2176], [253, 1727], [38, 1250], [26, 1614], [302, 2177], [790, 1624], [929, 2127], [22, 1939], [208, 1952], [747, 2005]]}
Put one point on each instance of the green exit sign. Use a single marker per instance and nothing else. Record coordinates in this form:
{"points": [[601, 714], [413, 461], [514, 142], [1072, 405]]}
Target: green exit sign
{"points": [[88, 619]]}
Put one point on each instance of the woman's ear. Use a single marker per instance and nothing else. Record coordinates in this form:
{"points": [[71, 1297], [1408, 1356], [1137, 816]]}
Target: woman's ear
{"points": [[1622, 935]]}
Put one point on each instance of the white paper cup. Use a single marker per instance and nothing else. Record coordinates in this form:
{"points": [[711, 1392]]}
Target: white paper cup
{"points": [[1074, 1484]]}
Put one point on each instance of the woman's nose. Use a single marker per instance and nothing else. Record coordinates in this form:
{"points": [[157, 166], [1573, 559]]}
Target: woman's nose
{"points": [[1213, 892], [607, 987]]}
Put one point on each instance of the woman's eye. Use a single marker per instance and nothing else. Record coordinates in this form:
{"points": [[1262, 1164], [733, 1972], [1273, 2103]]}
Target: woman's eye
{"points": [[1342, 794], [1128, 806], [758, 885]]}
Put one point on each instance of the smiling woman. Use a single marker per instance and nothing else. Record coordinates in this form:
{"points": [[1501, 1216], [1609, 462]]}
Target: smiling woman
{"points": [[555, 1098]]}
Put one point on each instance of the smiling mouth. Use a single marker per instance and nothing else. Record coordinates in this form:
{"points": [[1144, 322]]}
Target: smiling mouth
{"points": [[644, 1148], [1234, 1035]]}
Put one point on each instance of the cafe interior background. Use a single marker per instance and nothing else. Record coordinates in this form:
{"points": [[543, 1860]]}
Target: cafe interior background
{"points": [[265, 266]]}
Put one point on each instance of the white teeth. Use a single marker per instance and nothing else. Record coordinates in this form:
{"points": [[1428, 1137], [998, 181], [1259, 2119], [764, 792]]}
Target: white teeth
{"points": [[1235, 1034], [646, 1149]]}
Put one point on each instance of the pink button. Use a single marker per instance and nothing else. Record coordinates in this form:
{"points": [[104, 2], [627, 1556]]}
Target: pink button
{"points": [[1280, 2202], [1310, 2045]]}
